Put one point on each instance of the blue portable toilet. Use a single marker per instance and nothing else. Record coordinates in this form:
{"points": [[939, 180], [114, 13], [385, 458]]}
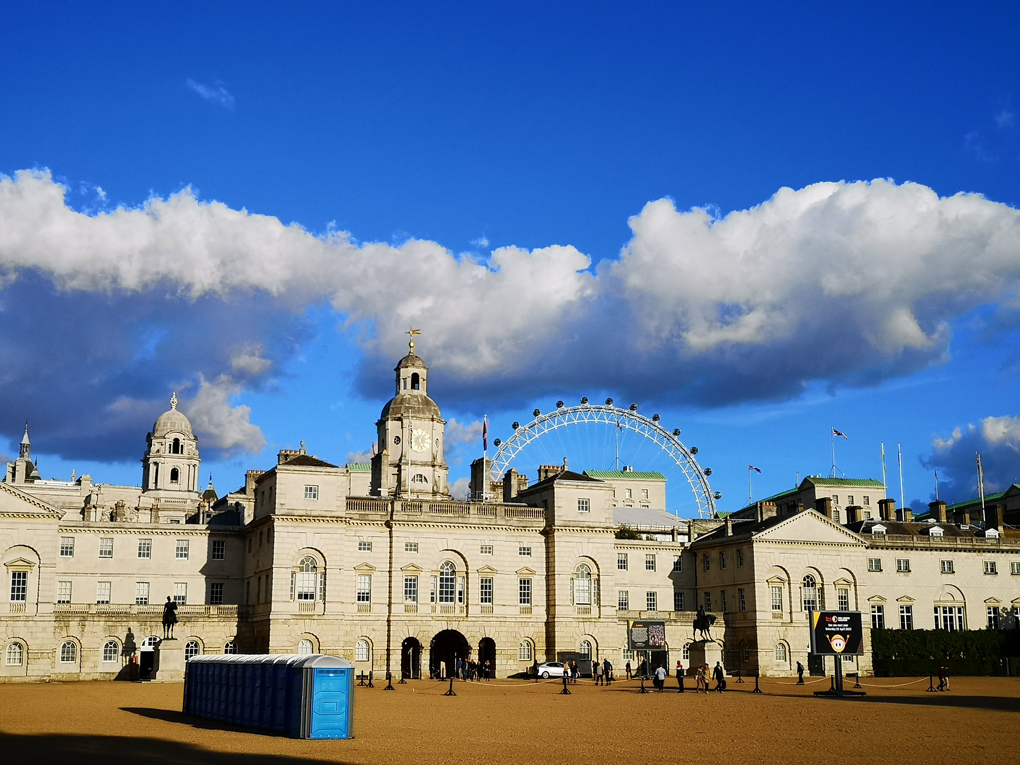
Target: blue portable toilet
{"points": [[304, 696]]}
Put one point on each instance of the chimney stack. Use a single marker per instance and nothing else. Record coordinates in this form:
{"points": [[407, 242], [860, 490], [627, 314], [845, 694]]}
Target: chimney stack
{"points": [[729, 526], [937, 510], [853, 514], [509, 485], [887, 509], [961, 518], [993, 517], [824, 506]]}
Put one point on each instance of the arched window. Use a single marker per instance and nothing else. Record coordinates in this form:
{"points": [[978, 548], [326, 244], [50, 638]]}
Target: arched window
{"points": [[150, 642], [191, 649], [175, 475], [305, 647], [307, 578], [415, 381], [781, 653], [524, 651], [809, 593], [110, 651], [447, 582], [230, 647], [175, 447], [582, 586], [419, 478], [68, 652], [362, 651], [585, 650], [15, 655]]}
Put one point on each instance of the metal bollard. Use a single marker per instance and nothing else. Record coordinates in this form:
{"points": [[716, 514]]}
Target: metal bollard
{"points": [[757, 674], [451, 691], [739, 678], [402, 681], [389, 682], [857, 680], [565, 691], [931, 683], [370, 672], [361, 679]]}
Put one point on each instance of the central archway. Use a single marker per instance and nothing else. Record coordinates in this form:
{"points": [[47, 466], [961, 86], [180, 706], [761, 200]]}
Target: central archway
{"points": [[410, 659], [446, 647], [487, 653]]}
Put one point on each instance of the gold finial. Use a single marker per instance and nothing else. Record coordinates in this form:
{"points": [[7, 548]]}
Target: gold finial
{"points": [[173, 400], [412, 332]]}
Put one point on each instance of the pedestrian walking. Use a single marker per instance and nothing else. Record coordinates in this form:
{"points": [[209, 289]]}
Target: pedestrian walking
{"points": [[680, 675], [660, 678], [628, 670], [607, 671], [800, 673], [720, 677]]}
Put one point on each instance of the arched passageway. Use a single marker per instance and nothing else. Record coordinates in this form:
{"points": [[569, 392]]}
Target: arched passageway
{"points": [[410, 659], [446, 648], [487, 653]]}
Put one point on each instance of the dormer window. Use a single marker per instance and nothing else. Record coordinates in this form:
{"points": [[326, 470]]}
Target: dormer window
{"points": [[935, 531], [878, 528], [991, 533]]}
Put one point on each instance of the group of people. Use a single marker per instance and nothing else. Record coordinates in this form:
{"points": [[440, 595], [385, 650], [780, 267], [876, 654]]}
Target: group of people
{"points": [[943, 679], [473, 670], [601, 672]]}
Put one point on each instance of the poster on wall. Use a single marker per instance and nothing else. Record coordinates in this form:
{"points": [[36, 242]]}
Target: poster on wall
{"points": [[834, 633], [646, 636]]}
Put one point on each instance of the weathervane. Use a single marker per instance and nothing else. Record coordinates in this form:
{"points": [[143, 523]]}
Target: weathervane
{"points": [[412, 332]]}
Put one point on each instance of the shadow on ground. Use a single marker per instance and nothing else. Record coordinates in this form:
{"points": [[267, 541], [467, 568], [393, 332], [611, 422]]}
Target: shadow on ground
{"points": [[170, 716], [114, 750]]}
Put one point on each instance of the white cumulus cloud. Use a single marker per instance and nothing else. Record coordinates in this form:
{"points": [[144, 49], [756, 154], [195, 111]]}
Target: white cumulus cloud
{"points": [[215, 93], [219, 423]]}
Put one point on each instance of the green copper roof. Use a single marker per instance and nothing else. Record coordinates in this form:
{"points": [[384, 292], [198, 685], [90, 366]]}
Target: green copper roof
{"points": [[977, 500], [616, 475], [869, 482], [359, 467]]}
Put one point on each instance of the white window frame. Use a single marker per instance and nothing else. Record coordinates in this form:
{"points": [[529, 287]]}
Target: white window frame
{"points": [[621, 561], [182, 551], [15, 655], [649, 561], [991, 568], [524, 651], [623, 600], [903, 565], [524, 591], [486, 590], [104, 591], [215, 593], [678, 600], [362, 651], [64, 591], [364, 546], [106, 547], [524, 551], [364, 591], [907, 617], [145, 549], [741, 600], [311, 492], [67, 547], [410, 547], [651, 600], [877, 616], [874, 565], [141, 593], [946, 566], [583, 505], [219, 549], [485, 550], [181, 593], [411, 589]]}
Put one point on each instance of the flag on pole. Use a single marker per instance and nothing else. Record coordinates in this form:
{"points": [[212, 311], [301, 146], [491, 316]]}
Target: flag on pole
{"points": [[485, 433], [752, 467], [837, 433], [618, 425]]}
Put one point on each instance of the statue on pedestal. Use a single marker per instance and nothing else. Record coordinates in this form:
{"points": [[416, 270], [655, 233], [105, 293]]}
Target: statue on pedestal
{"points": [[703, 623], [169, 618]]}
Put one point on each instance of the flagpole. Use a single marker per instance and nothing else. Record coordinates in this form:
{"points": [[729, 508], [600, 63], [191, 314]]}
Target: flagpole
{"points": [[832, 445], [903, 501], [936, 485], [884, 486], [981, 483], [750, 495], [485, 458]]}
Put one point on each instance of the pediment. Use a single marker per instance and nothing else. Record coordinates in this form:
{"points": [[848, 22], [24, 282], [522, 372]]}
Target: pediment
{"points": [[812, 527], [775, 580], [905, 599], [876, 599], [19, 563], [842, 583], [993, 602], [365, 568], [411, 568], [14, 501], [525, 571], [487, 570]]}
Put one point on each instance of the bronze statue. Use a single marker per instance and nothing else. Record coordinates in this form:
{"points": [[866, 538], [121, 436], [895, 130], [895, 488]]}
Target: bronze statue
{"points": [[169, 618], [703, 623]]}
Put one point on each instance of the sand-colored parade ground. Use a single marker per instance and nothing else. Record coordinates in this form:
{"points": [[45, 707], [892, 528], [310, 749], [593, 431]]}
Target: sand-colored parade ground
{"points": [[517, 722]]}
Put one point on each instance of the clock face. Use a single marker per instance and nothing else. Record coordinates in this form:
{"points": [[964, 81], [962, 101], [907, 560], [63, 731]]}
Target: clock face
{"points": [[419, 440]]}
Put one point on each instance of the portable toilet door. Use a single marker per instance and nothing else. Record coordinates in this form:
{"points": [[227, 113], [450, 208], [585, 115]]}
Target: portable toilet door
{"points": [[329, 698]]}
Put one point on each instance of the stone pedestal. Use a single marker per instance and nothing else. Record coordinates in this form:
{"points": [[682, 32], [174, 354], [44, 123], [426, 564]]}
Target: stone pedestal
{"points": [[168, 663], [705, 652]]}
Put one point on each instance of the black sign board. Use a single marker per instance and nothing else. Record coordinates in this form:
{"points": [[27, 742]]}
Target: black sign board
{"points": [[836, 632], [646, 636]]}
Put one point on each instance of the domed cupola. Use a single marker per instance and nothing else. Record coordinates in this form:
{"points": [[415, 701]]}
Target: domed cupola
{"points": [[170, 465], [410, 460]]}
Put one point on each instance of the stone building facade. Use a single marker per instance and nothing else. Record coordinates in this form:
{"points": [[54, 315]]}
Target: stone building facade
{"points": [[378, 564]]}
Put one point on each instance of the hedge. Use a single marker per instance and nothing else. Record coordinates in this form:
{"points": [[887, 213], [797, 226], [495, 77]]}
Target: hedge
{"points": [[920, 652]]}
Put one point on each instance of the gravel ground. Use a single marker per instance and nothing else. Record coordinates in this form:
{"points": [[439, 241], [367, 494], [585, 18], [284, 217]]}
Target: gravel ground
{"points": [[517, 722]]}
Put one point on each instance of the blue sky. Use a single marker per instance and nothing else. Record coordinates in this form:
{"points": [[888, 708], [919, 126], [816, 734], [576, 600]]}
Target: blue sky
{"points": [[569, 199]]}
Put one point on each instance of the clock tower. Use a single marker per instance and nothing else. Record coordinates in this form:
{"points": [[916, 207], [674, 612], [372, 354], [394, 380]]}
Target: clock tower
{"points": [[410, 462]]}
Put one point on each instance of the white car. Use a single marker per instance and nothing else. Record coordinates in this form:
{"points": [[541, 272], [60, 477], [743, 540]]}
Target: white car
{"points": [[550, 669]]}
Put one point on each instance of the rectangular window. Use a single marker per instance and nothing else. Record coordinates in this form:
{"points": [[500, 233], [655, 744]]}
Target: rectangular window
{"points": [[836, 516], [621, 561], [410, 547], [947, 567], [485, 590], [216, 594], [903, 565], [410, 589], [906, 617], [583, 505], [261, 539], [835, 499], [524, 592], [650, 562], [678, 600], [949, 618], [678, 563], [850, 499], [708, 601], [141, 593], [183, 549], [19, 586], [777, 599], [741, 601], [524, 551], [144, 548], [103, 592], [307, 580], [311, 492], [247, 592], [993, 617], [628, 494], [219, 549], [740, 558], [63, 592], [878, 617], [258, 591], [644, 494], [843, 598], [486, 550], [364, 547], [991, 567], [181, 593], [364, 588], [460, 590], [435, 590], [1014, 568], [874, 564], [867, 500], [651, 601], [106, 547], [722, 559], [722, 601], [706, 562], [67, 547], [623, 600]]}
